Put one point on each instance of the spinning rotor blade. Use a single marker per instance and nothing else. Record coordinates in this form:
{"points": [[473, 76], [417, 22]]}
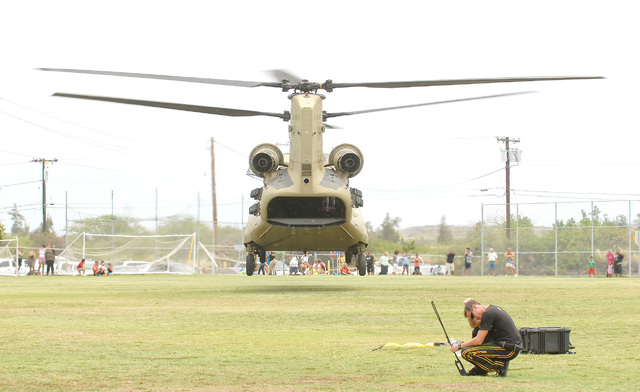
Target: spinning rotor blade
{"points": [[299, 85], [451, 82], [224, 82], [329, 115], [178, 106], [281, 74]]}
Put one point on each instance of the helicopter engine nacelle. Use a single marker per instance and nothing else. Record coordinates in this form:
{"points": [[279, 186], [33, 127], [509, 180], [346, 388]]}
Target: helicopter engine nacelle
{"points": [[265, 158], [347, 158]]}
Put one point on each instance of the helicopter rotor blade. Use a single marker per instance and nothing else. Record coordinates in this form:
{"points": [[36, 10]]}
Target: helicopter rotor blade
{"points": [[451, 82], [283, 74], [224, 82], [177, 106], [339, 114]]}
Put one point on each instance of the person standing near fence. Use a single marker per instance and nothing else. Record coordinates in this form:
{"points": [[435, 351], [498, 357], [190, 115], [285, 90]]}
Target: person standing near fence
{"points": [[451, 268], [609, 263], [468, 256], [370, 263], [592, 267], [384, 264], [405, 264], [617, 264], [509, 258], [31, 262], [293, 264], [50, 258], [41, 259], [492, 256]]}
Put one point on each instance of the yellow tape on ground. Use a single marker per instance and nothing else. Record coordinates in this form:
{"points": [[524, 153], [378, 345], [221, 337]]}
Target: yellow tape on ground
{"points": [[407, 345]]}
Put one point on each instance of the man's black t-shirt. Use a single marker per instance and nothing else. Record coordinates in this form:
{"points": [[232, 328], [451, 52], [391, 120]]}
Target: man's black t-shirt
{"points": [[500, 326]]}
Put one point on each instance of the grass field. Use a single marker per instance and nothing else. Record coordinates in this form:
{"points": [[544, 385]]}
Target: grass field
{"points": [[292, 333]]}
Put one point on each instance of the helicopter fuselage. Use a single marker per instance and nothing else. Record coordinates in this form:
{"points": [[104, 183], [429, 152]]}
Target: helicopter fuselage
{"points": [[306, 202]]}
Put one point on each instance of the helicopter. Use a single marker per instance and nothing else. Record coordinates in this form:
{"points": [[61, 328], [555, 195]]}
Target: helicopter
{"points": [[306, 201]]}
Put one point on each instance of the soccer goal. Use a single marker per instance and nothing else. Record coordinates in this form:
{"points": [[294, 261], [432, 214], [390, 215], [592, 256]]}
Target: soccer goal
{"points": [[131, 254], [8, 259]]}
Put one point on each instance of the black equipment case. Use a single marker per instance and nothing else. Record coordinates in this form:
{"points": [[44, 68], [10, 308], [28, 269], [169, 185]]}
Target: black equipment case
{"points": [[545, 340]]}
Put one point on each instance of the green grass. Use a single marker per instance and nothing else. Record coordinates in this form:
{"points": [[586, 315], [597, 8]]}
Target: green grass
{"points": [[287, 333]]}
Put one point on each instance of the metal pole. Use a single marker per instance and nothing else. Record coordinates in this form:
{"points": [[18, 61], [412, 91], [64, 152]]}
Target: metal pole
{"points": [[517, 236], [113, 228], [556, 247], [155, 254], [198, 237], [592, 229], [482, 239], [44, 201], [66, 219], [629, 230]]}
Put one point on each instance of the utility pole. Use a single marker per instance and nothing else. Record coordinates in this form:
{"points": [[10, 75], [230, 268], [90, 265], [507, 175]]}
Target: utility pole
{"points": [[44, 189], [507, 151]]}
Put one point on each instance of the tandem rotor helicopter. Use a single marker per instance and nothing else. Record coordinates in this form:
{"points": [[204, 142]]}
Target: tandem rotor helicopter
{"points": [[305, 202]]}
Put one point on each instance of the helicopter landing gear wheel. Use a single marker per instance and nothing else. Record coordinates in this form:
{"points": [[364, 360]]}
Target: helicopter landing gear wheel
{"points": [[362, 264], [251, 264]]}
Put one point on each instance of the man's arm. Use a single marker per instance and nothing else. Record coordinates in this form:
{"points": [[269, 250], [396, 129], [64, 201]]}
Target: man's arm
{"points": [[478, 340]]}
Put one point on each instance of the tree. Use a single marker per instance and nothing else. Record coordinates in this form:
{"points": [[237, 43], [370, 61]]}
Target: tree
{"points": [[389, 229], [444, 232], [103, 225], [18, 226]]}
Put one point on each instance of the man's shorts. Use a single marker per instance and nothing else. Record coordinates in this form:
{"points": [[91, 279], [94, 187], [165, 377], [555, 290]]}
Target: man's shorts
{"points": [[451, 267], [467, 265], [293, 270], [492, 266], [510, 265]]}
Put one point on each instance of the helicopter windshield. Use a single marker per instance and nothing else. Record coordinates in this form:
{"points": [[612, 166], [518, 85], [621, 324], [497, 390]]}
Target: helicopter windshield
{"points": [[306, 211]]}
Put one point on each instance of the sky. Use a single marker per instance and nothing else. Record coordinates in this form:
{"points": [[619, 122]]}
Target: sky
{"points": [[578, 139]]}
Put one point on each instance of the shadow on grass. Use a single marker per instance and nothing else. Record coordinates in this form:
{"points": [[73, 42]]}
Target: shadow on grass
{"points": [[296, 288]]}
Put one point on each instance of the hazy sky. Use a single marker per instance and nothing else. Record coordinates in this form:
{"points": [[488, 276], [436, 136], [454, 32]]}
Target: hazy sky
{"points": [[579, 139]]}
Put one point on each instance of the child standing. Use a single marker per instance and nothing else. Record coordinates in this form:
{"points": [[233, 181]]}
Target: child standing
{"points": [[592, 267]]}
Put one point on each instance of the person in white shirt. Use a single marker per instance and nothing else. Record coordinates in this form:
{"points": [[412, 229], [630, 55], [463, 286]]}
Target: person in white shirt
{"points": [[293, 264]]}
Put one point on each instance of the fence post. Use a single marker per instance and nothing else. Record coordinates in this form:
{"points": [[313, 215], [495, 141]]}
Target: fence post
{"points": [[482, 239], [556, 246]]}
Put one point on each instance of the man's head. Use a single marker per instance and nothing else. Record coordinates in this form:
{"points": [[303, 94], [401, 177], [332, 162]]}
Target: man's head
{"points": [[468, 307]]}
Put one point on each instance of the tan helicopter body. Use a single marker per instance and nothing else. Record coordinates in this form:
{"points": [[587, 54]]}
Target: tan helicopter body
{"points": [[306, 202]]}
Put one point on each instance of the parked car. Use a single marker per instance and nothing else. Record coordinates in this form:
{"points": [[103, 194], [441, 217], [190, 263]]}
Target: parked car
{"points": [[172, 267], [131, 267], [8, 267], [237, 269]]}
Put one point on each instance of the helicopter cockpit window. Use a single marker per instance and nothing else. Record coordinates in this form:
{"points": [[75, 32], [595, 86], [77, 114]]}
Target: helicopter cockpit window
{"points": [[306, 211]]}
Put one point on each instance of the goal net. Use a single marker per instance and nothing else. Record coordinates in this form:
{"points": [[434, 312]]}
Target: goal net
{"points": [[8, 251], [131, 254]]}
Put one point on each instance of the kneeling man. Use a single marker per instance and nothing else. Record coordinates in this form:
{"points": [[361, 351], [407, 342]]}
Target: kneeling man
{"points": [[495, 341]]}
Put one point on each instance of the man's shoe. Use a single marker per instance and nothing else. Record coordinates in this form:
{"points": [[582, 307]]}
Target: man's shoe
{"points": [[502, 372], [476, 371]]}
